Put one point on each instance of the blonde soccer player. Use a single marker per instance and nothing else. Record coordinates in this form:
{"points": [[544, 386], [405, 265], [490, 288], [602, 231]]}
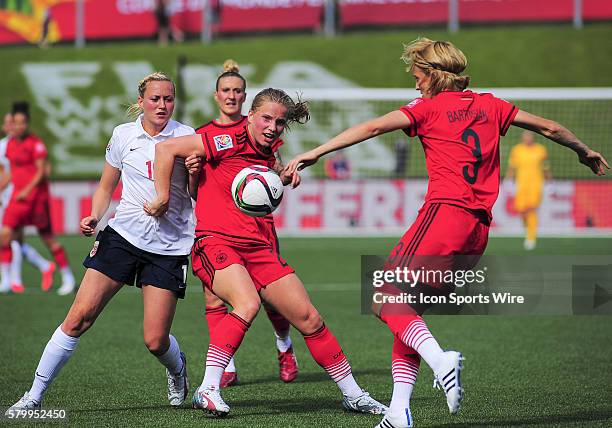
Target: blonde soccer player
{"points": [[460, 132], [134, 248], [528, 168]]}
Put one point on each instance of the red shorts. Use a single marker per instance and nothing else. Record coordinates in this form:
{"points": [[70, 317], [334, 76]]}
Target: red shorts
{"points": [[443, 237], [263, 262], [28, 213]]}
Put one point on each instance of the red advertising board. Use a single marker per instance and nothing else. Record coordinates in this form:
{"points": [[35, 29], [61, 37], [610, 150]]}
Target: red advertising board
{"points": [[111, 19]]}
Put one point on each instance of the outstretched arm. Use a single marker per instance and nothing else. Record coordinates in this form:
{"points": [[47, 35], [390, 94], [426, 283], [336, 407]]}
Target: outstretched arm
{"points": [[165, 152], [563, 136], [355, 134]]}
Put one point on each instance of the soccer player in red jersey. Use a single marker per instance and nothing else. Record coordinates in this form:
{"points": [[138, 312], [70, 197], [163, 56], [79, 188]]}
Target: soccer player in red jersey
{"points": [[230, 95], [29, 203], [460, 132], [234, 254]]}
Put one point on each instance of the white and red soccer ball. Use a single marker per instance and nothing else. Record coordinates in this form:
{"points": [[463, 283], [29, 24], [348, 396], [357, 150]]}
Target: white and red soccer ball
{"points": [[257, 190]]}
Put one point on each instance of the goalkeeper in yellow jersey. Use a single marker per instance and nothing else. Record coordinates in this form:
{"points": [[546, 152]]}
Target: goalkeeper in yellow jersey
{"points": [[529, 169]]}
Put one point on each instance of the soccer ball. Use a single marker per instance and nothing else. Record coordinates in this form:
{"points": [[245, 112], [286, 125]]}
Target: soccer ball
{"points": [[257, 190]]}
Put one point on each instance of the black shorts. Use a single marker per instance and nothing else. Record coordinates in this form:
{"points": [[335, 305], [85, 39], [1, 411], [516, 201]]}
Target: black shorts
{"points": [[116, 258]]}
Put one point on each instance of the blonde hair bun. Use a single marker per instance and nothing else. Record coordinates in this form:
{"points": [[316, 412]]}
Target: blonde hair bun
{"points": [[230, 66]]}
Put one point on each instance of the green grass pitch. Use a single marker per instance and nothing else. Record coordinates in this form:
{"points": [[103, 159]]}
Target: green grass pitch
{"points": [[536, 371]]}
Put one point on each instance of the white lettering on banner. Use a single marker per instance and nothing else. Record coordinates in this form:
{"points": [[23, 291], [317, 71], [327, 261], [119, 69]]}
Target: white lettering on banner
{"points": [[358, 206], [380, 202], [81, 129], [130, 7], [340, 204], [271, 4], [301, 203]]}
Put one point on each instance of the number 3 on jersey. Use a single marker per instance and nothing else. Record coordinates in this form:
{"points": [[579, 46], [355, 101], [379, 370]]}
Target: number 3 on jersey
{"points": [[150, 169], [465, 137]]}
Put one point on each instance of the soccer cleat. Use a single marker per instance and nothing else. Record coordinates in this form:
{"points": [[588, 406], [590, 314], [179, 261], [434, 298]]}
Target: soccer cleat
{"points": [[24, 403], [66, 288], [396, 421], [178, 385], [448, 378], [47, 277], [210, 402], [287, 365], [228, 379], [17, 288], [364, 404], [529, 244]]}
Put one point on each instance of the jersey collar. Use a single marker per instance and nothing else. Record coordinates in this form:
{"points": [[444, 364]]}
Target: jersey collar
{"points": [[166, 132]]}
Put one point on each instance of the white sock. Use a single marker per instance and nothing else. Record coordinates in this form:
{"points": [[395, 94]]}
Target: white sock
{"points": [[400, 400], [56, 354], [16, 263], [172, 358], [231, 367], [68, 278], [349, 387], [5, 271], [283, 343], [34, 257], [431, 352]]}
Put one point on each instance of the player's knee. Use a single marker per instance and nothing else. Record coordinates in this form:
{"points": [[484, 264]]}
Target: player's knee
{"points": [[310, 321], [247, 310], [156, 344]]}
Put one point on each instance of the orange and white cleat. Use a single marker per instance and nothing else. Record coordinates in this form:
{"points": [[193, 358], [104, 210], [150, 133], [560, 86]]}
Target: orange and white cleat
{"points": [[17, 288], [47, 277]]}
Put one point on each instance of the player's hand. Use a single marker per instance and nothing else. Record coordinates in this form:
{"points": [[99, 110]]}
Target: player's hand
{"points": [[156, 207], [88, 225], [288, 178], [595, 161], [193, 163], [21, 196], [302, 161]]}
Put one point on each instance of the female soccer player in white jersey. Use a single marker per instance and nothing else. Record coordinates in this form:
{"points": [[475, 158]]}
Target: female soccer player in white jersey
{"points": [[134, 247], [460, 132], [230, 94], [234, 256]]}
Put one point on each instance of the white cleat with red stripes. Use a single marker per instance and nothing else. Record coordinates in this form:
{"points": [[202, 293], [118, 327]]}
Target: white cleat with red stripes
{"points": [[209, 401]]}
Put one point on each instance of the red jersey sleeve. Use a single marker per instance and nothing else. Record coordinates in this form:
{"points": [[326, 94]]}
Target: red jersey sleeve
{"points": [[417, 113], [39, 151], [506, 112], [217, 146]]}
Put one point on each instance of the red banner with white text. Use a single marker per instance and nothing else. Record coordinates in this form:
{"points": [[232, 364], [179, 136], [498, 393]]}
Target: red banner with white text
{"points": [[373, 207]]}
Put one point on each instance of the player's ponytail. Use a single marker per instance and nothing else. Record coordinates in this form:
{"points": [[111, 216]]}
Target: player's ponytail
{"points": [[297, 111], [230, 69], [442, 61], [134, 109]]}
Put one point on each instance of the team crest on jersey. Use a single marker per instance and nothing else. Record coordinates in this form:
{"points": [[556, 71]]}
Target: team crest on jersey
{"points": [[223, 142], [94, 250]]}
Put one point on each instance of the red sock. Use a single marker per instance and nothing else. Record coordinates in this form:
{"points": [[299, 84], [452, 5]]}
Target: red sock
{"points": [[225, 340], [405, 363], [214, 315], [59, 254], [279, 322], [326, 351], [6, 255]]}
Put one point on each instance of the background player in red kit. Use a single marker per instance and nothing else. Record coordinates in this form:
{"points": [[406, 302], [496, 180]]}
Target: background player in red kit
{"points": [[230, 94], [233, 254], [460, 132], [29, 203]]}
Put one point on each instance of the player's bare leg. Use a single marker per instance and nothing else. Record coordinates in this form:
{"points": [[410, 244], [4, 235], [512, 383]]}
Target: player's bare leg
{"points": [[95, 292], [289, 297], [7, 235], [216, 310], [233, 285], [159, 309]]}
